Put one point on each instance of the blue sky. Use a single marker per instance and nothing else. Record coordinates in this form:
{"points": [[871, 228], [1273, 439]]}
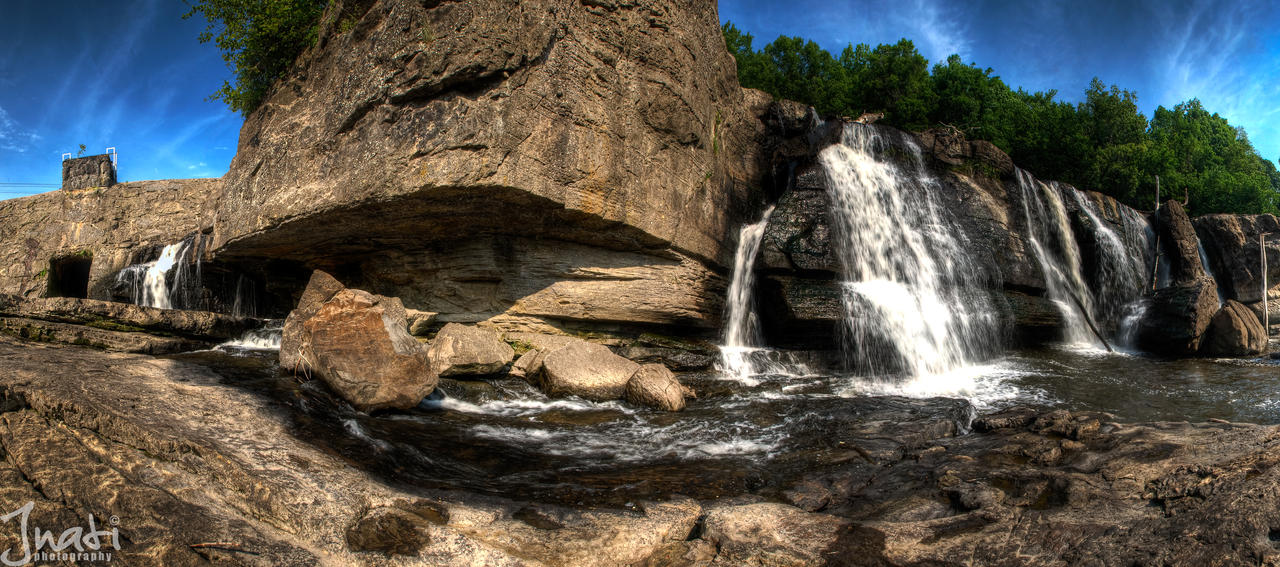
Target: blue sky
{"points": [[1227, 54], [133, 76], [125, 74]]}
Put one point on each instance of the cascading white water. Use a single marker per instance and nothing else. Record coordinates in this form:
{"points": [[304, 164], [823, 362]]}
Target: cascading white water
{"points": [[266, 338], [246, 301], [742, 331], [913, 302], [1052, 242], [150, 284], [1208, 269], [1120, 263]]}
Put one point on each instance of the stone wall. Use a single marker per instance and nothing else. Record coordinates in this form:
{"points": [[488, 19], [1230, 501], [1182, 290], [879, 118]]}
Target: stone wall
{"points": [[88, 172], [111, 227]]}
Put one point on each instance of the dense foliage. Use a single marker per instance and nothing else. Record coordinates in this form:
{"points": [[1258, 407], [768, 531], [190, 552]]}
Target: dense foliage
{"points": [[259, 40], [1104, 143]]}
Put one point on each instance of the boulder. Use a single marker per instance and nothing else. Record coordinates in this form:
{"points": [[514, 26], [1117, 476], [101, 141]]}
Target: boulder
{"points": [[587, 370], [462, 350], [1179, 243], [528, 366], [1234, 331], [320, 289], [419, 321], [1177, 318], [656, 387], [358, 345]]}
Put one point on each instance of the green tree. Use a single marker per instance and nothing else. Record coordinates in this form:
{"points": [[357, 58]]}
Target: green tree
{"points": [[1211, 160], [893, 79], [1103, 143], [977, 102], [259, 40]]}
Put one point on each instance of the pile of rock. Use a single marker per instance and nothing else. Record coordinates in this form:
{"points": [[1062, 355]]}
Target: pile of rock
{"points": [[359, 344], [1185, 317], [567, 366]]}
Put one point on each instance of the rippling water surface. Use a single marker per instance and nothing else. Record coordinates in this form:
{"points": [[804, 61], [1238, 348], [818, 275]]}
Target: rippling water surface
{"points": [[760, 435]]}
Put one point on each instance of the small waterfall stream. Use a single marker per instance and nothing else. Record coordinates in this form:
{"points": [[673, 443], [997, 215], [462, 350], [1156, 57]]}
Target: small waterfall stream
{"points": [[742, 329], [913, 303], [162, 282], [1051, 240]]}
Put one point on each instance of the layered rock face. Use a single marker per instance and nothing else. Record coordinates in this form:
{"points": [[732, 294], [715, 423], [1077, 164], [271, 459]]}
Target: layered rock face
{"points": [[1231, 242], [498, 146]]}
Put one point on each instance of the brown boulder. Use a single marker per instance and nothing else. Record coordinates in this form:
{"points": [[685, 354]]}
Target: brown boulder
{"points": [[357, 343], [320, 289], [1234, 331], [1178, 317], [656, 387], [460, 350], [587, 370]]}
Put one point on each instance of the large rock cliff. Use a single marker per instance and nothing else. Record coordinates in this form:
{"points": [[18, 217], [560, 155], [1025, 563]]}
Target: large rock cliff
{"points": [[524, 163]]}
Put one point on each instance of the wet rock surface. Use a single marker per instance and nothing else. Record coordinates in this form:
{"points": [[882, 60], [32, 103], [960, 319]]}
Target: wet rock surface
{"points": [[124, 317], [186, 457], [1177, 318]]}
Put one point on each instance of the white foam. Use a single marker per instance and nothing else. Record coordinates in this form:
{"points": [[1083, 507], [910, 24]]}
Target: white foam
{"points": [[523, 407]]}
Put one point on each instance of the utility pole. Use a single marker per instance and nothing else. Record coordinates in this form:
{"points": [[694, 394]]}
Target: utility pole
{"points": [[1266, 316], [1155, 266]]}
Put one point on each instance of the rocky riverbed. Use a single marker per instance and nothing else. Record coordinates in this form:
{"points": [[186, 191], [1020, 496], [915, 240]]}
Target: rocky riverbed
{"points": [[185, 457]]}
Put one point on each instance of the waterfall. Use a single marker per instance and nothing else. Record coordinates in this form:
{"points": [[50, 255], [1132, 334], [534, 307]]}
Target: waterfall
{"points": [[742, 332], [266, 338], [164, 282], [1120, 270], [246, 301], [1054, 246], [1204, 261], [914, 305]]}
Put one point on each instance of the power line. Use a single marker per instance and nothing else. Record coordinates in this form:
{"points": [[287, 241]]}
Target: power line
{"points": [[2, 184]]}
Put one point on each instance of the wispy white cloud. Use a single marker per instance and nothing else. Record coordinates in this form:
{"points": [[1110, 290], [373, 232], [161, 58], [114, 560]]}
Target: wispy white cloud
{"points": [[13, 137], [1214, 55], [939, 29]]}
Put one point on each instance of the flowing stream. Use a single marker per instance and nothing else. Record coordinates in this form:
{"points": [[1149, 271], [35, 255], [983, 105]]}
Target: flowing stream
{"points": [[917, 323]]}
